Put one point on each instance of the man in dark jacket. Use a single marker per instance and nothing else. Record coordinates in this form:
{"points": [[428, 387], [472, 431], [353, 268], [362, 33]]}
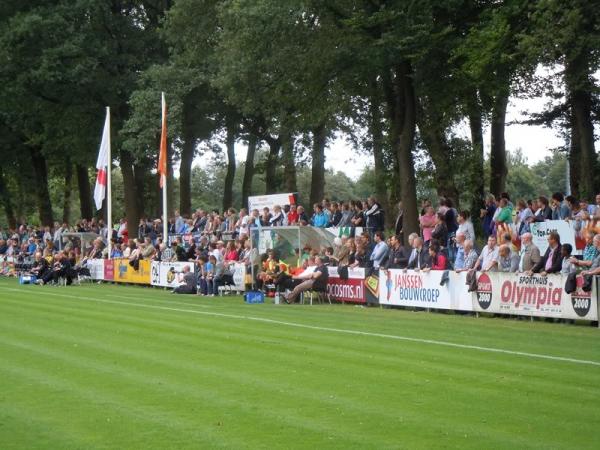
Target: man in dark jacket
{"points": [[398, 256], [551, 262], [399, 225], [545, 212], [421, 260]]}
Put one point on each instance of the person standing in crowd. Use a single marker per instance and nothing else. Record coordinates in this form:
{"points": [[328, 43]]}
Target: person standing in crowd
{"points": [[380, 252], [487, 215], [594, 268], [567, 266], [529, 255], [470, 257], [560, 210], [374, 215], [319, 218], [336, 214], [544, 211], [438, 260], [302, 216], [292, 216], [504, 217], [459, 250], [523, 217], [440, 230], [551, 262], [488, 260], [589, 252], [276, 219], [427, 222], [399, 224], [507, 260], [421, 257], [465, 225], [358, 219], [398, 256]]}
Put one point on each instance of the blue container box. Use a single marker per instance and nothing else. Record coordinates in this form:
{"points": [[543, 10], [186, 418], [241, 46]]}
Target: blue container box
{"points": [[254, 297], [27, 279]]}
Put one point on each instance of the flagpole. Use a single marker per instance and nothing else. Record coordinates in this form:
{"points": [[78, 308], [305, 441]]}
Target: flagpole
{"points": [[109, 190], [164, 175]]}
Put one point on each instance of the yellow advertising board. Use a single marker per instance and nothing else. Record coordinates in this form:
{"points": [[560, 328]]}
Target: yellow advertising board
{"points": [[124, 273]]}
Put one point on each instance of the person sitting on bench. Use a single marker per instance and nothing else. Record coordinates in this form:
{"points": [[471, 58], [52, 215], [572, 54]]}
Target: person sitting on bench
{"points": [[316, 280]]}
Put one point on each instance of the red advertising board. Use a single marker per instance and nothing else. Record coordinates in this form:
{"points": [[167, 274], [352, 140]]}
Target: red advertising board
{"points": [[109, 270], [351, 290]]}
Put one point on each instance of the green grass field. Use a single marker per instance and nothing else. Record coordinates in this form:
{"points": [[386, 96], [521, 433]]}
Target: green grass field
{"points": [[103, 366]]}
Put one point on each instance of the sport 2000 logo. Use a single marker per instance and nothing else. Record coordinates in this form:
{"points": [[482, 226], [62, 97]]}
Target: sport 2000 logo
{"points": [[484, 291], [581, 300]]}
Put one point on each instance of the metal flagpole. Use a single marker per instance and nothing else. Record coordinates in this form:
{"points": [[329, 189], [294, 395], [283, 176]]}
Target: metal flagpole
{"points": [[109, 223], [164, 185]]}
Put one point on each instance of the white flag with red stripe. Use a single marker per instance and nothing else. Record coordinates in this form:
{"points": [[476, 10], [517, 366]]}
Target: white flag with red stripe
{"points": [[102, 164]]}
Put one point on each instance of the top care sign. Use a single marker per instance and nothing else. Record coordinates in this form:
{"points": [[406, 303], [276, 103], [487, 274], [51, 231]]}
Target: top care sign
{"points": [[270, 201]]}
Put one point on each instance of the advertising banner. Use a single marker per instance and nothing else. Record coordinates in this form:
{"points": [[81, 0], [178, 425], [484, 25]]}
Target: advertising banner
{"points": [[96, 268], [168, 274], [541, 231], [519, 294], [109, 270], [436, 289], [270, 201], [351, 290], [124, 273]]}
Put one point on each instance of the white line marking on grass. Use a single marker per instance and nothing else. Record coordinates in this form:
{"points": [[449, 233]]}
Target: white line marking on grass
{"points": [[332, 330], [153, 298]]}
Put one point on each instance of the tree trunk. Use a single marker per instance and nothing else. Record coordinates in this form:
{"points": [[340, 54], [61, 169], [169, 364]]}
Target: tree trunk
{"points": [[141, 174], [67, 192], [477, 182], [5, 199], [579, 90], [85, 193], [38, 162], [289, 163], [574, 160], [433, 134], [187, 158], [317, 180], [271, 183], [130, 193], [230, 175], [400, 97], [381, 173], [498, 145], [249, 170]]}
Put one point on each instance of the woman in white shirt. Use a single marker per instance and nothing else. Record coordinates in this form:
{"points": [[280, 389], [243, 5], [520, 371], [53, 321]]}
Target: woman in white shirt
{"points": [[465, 226]]}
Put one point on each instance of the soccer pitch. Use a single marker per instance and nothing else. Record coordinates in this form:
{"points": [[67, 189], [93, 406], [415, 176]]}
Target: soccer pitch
{"points": [[104, 366]]}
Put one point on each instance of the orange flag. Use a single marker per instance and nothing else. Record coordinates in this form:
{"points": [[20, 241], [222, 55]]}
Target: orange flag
{"points": [[162, 157]]}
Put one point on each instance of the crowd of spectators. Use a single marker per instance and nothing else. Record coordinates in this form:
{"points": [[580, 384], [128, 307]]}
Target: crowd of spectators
{"points": [[446, 241]]}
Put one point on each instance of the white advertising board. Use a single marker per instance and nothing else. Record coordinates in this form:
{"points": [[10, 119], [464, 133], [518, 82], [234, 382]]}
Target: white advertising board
{"points": [[270, 201], [424, 289], [96, 267], [541, 231], [519, 294], [168, 274]]}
